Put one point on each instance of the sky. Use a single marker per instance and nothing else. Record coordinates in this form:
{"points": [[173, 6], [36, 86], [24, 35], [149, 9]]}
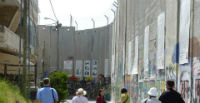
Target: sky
{"points": [[81, 10]]}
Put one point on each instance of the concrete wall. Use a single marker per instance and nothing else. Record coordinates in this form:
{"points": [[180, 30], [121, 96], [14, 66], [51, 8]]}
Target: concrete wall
{"points": [[131, 19], [91, 44]]}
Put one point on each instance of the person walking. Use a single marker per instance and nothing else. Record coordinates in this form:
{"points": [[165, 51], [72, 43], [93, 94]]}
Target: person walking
{"points": [[100, 98], [152, 94], [170, 95], [80, 96], [124, 96], [47, 94]]}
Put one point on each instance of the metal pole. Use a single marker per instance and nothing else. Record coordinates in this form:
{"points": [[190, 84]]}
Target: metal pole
{"points": [[25, 49], [113, 12], [93, 22], [115, 5], [107, 18], [71, 20], [76, 25], [57, 27], [20, 44]]}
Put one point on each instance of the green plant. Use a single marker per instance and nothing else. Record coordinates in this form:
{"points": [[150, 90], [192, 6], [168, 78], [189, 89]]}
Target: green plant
{"points": [[59, 82], [10, 93]]}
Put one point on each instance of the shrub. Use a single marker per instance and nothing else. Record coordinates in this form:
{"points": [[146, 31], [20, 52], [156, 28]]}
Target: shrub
{"points": [[59, 82]]}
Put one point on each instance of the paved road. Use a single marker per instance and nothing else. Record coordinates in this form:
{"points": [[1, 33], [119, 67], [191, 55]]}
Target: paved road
{"points": [[69, 101]]}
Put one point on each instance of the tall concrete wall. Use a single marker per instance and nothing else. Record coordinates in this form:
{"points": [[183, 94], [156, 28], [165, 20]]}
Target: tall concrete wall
{"points": [[91, 44], [131, 19]]}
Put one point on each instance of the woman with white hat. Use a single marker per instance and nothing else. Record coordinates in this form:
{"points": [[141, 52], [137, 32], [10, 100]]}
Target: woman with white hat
{"points": [[152, 96], [80, 96]]}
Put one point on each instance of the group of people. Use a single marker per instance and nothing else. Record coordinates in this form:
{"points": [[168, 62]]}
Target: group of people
{"points": [[168, 96], [49, 95]]}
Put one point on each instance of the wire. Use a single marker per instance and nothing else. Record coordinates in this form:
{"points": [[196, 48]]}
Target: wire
{"points": [[53, 10]]}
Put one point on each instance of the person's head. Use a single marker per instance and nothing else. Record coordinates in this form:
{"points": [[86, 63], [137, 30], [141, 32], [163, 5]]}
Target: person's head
{"points": [[101, 92], [123, 90], [152, 92], [46, 81], [81, 91], [170, 84]]}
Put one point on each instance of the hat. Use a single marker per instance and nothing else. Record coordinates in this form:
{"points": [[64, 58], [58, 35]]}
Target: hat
{"points": [[81, 91], [153, 92]]}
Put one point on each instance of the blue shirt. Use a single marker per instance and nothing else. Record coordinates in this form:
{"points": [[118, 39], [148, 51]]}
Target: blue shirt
{"points": [[45, 95]]}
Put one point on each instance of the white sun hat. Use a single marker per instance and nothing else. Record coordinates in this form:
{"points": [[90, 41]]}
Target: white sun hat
{"points": [[81, 91], [153, 92]]}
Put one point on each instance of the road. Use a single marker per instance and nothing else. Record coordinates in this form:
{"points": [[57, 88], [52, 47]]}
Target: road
{"points": [[69, 101]]}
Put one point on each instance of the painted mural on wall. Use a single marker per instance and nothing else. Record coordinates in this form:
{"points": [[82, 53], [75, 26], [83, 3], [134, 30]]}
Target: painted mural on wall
{"points": [[119, 81], [127, 82], [196, 79], [184, 81], [134, 89]]}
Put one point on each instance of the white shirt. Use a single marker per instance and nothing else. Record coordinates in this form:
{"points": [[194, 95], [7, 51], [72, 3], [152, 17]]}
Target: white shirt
{"points": [[79, 99], [152, 100]]}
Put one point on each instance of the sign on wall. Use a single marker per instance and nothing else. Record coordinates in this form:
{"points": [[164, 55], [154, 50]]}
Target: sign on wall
{"points": [[78, 70], [86, 68], [160, 41], [146, 49], [94, 68], [184, 27], [135, 64], [68, 66]]}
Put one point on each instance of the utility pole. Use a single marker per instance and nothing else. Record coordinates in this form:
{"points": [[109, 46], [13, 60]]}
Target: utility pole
{"points": [[58, 25], [25, 47], [58, 46]]}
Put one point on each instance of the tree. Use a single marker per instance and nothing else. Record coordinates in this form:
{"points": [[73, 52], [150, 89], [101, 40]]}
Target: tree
{"points": [[59, 82]]}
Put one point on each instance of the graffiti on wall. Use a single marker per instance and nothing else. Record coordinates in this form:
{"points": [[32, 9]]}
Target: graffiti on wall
{"points": [[196, 79], [196, 91], [134, 89], [184, 81], [171, 72], [141, 92], [196, 66], [184, 87], [127, 82], [157, 85]]}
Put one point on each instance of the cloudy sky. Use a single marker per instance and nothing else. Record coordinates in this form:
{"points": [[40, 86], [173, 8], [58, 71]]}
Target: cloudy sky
{"points": [[81, 10]]}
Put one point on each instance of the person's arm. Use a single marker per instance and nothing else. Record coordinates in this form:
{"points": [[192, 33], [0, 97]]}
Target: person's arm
{"points": [[162, 98], [38, 96], [55, 95], [181, 100]]}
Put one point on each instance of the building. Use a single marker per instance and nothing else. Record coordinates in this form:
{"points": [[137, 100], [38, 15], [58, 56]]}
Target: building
{"points": [[10, 21]]}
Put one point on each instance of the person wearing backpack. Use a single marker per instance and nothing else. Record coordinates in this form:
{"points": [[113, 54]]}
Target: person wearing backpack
{"points": [[47, 94], [152, 94], [124, 96]]}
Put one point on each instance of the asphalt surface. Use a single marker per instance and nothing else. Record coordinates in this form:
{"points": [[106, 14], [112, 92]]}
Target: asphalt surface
{"points": [[69, 101]]}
